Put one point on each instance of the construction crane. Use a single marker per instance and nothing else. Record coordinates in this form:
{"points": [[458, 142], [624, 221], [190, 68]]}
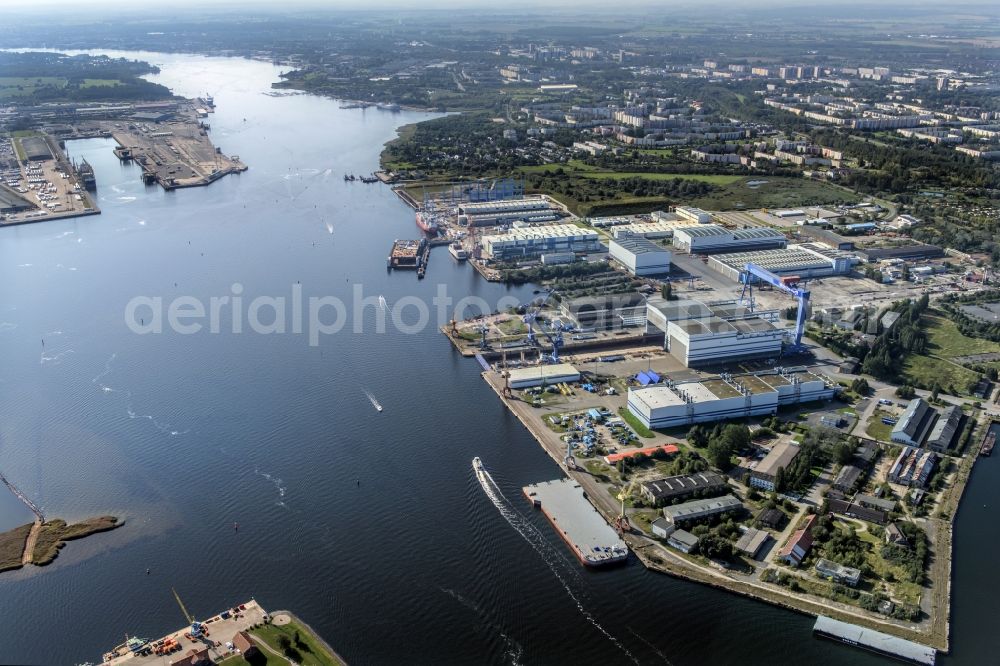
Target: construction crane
{"points": [[621, 522], [531, 314], [556, 341], [197, 628], [753, 273]]}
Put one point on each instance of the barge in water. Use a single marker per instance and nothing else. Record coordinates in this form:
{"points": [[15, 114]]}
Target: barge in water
{"points": [[592, 540]]}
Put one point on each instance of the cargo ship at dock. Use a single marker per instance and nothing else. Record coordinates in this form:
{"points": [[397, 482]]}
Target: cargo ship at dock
{"points": [[427, 222], [458, 251]]}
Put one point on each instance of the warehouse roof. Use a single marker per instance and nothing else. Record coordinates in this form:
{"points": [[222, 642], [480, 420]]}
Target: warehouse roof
{"points": [[945, 428], [541, 372], [915, 420], [700, 506], [679, 310], [601, 303], [639, 245], [683, 484], [752, 540], [781, 455]]}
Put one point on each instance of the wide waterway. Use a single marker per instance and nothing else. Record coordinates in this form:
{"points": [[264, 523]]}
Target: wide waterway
{"points": [[370, 526]]}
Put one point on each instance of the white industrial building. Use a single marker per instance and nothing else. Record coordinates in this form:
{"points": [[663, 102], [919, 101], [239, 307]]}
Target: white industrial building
{"points": [[808, 260], [698, 334], [640, 256], [532, 241], [543, 375], [714, 238], [647, 229], [492, 213], [726, 397], [693, 214]]}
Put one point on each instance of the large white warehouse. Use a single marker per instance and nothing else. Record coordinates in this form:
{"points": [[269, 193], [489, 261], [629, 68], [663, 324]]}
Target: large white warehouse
{"points": [[543, 375], [640, 256], [726, 397], [532, 241], [698, 334], [809, 260], [693, 214], [492, 213], [714, 238]]}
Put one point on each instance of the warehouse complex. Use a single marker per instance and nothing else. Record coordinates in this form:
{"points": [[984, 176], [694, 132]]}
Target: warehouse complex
{"points": [[809, 260], [714, 238], [657, 229], [725, 397], [640, 256], [698, 334], [492, 213], [533, 241]]}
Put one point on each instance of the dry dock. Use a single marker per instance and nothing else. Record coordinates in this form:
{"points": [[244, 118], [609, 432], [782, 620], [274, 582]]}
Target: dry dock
{"points": [[579, 524]]}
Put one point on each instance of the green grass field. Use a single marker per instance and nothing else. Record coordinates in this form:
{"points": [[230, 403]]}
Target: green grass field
{"points": [[776, 192], [945, 342], [307, 652]]}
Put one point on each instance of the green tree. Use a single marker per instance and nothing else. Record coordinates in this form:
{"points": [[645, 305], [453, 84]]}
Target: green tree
{"points": [[843, 452]]}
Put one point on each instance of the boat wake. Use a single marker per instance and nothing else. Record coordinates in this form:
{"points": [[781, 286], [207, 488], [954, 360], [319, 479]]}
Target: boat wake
{"points": [[165, 428], [375, 403], [382, 303], [537, 541], [53, 355], [514, 650], [278, 484]]}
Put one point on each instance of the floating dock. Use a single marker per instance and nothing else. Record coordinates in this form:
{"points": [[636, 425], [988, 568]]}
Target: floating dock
{"points": [[875, 641], [592, 540], [409, 254]]}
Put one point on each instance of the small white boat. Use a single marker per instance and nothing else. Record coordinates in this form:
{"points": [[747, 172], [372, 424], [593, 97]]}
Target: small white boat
{"points": [[375, 403]]}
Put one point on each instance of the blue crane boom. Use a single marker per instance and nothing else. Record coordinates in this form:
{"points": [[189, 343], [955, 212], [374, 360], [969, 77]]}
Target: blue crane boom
{"points": [[754, 273]]}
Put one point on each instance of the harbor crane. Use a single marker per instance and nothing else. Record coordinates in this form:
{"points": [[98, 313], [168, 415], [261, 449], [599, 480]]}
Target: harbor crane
{"points": [[752, 273], [531, 314], [621, 521], [197, 628]]}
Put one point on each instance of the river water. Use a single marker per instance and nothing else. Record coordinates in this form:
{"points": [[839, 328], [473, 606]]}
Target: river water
{"points": [[369, 525]]}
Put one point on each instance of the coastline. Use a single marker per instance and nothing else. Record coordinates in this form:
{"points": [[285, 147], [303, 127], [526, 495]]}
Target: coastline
{"points": [[660, 559]]}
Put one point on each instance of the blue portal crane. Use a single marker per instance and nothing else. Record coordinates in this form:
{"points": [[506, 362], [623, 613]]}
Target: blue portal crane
{"points": [[752, 273], [531, 313]]}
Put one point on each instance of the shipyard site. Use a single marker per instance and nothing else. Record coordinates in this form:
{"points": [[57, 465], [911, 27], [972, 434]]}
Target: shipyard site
{"points": [[168, 140], [677, 366]]}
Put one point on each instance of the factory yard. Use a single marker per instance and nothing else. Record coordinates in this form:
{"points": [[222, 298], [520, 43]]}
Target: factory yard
{"points": [[175, 153], [37, 182], [221, 629], [615, 376]]}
